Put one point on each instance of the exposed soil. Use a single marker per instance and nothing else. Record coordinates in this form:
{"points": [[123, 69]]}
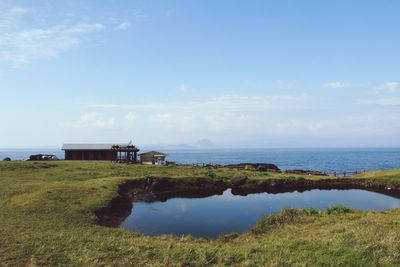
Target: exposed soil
{"points": [[162, 189]]}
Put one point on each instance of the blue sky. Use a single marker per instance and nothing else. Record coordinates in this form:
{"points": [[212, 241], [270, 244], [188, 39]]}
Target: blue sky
{"points": [[240, 73]]}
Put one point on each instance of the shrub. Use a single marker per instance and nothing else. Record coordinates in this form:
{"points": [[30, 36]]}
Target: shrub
{"points": [[286, 216], [339, 209], [211, 174]]}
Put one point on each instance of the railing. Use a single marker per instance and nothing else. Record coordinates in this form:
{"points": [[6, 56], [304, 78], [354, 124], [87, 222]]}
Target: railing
{"points": [[344, 173], [327, 173]]}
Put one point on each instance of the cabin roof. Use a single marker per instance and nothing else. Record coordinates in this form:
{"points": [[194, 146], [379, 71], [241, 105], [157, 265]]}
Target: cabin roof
{"points": [[90, 146], [153, 153]]}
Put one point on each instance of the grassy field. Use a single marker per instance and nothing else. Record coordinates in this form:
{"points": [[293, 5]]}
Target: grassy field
{"points": [[47, 218]]}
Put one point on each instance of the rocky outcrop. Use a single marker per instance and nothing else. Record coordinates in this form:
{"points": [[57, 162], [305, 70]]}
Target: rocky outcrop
{"points": [[7, 159], [255, 166]]}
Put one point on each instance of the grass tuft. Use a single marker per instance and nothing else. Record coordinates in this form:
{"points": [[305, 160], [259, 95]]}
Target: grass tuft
{"points": [[338, 209]]}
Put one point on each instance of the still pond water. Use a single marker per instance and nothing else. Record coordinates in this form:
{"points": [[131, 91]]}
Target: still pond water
{"points": [[226, 213]]}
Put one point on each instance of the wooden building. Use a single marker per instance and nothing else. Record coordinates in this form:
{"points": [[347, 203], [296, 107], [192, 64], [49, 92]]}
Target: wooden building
{"points": [[153, 157], [107, 152]]}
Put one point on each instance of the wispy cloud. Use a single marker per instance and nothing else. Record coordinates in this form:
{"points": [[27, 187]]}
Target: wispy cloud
{"points": [[123, 26], [339, 85], [19, 46], [183, 88], [94, 120], [285, 85], [386, 101], [383, 87], [229, 102], [10, 18], [103, 106], [18, 10], [272, 118], [389, 87], [131, 116], [226, 113]]}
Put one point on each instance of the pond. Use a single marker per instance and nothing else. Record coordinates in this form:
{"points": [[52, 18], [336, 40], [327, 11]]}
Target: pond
{"points": [[222, 214]]}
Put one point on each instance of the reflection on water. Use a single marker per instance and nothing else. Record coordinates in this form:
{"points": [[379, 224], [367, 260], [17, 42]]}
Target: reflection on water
{"points": [[221, 214]]}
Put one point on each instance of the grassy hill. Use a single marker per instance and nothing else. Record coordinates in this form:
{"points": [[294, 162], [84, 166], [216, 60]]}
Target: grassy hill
{"points": [[47, 218]]}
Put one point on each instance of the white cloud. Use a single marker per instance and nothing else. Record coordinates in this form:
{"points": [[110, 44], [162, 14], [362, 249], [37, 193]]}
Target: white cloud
{"points": [[389, 86], [11, 18], [130, 116], [19, 46], [229, 103], [162, 117], [285, 85], [102, 106], [123, 26], [339, 85], [358, 126], [198, 118], [384, 87], [260, 103], [18, 10], [183, 88], [234, 103], [386, 101], [95, 120], [276, 120]]}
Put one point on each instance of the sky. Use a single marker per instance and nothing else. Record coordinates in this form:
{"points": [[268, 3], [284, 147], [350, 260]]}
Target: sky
{"points": [[239, 73]]}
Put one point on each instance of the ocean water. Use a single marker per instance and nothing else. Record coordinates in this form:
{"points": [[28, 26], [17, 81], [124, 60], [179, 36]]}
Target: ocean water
{"points": [[222, 214], [330, 160]]}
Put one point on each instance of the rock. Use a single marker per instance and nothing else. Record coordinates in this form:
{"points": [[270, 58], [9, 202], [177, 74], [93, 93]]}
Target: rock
{"points": [[262, 183], [249, 167], [239, 180], [160, 183], [256, 166], [7, 159], [266, 168]]}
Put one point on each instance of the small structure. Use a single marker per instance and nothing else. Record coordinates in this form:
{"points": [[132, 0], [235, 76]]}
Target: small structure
{"points": [[105, 152], [125, 153], [153, 157]]}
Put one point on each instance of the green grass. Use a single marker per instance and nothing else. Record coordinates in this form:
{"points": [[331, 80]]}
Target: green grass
{"points": [[47, 218]]}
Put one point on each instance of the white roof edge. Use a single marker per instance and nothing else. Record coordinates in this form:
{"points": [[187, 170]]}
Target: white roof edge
{"points": [[89, 146]]}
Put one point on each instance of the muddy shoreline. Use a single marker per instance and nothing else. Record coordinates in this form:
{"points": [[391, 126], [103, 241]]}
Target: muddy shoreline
{"points": [[162, 189]]}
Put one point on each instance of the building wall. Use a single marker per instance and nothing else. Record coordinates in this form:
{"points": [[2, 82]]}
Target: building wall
{"points": [[150, 159], [89, 155], [147, 159]]}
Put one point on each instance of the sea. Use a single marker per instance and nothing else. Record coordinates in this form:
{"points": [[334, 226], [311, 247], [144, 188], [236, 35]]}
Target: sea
{"points": [[318, 159]]}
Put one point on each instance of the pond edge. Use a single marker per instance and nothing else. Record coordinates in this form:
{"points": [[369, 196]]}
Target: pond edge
{"points": [[163, 188]]}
